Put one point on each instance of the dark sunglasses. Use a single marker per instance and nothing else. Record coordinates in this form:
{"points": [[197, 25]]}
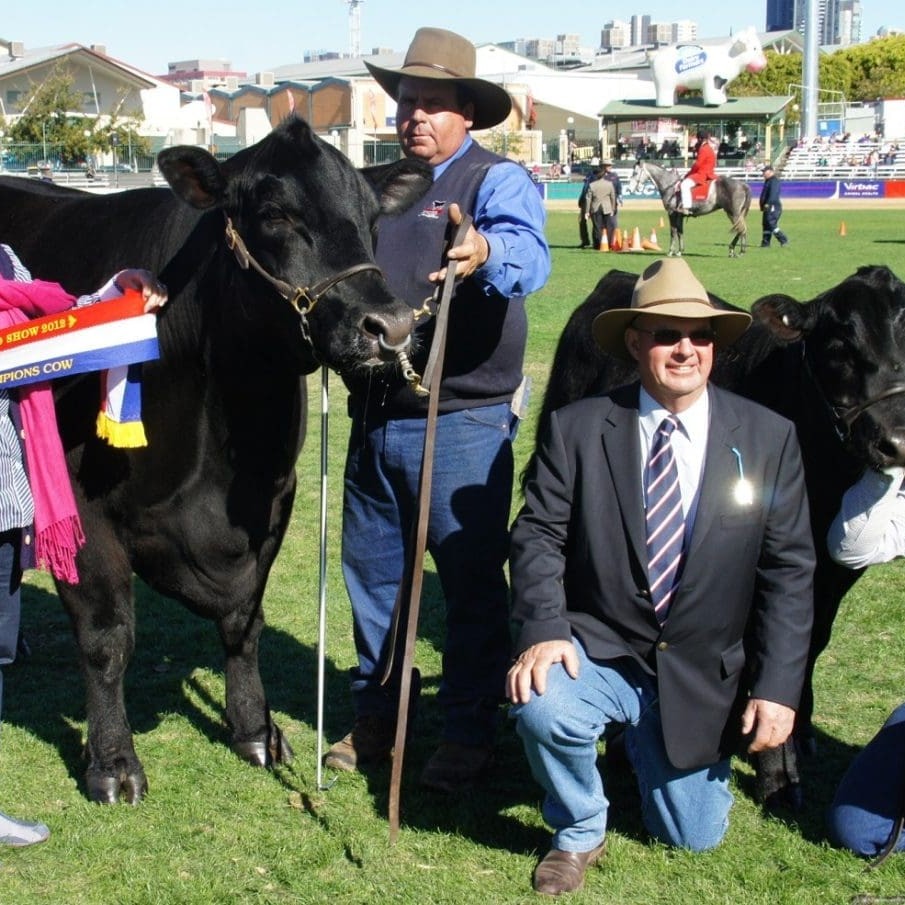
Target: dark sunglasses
{"points": [[669, 336]]}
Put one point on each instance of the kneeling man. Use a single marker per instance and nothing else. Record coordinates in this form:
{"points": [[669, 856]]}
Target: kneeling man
{"points": [[661, 568]]}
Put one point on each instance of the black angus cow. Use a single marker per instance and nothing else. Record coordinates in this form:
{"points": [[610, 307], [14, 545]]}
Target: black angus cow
{"points": [[200, 512], [833, 366]]}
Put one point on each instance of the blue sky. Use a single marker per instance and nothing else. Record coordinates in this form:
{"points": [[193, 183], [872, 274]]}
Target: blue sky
{"points": [[255, 35]]}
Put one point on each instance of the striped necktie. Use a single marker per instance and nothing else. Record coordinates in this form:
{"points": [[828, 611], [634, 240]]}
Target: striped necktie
{"points": [[664, 518]]}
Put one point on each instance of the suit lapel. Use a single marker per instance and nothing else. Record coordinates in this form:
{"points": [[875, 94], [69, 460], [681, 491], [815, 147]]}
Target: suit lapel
{"points": [[622, 450]]}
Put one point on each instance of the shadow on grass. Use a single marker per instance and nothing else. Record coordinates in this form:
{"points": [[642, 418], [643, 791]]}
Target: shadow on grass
{"points": [[171, 645], [173, 650], [502, 810]]}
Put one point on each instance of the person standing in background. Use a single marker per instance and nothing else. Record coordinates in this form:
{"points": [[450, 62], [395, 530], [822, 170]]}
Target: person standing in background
{"points": [[771, 208]]}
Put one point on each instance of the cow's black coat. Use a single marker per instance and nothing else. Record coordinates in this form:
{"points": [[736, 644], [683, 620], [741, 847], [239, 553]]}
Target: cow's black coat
{"points": [[200, 512]]}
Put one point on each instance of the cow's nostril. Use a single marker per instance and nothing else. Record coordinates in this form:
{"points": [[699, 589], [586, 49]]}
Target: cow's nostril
{"points": [[392, 333]]}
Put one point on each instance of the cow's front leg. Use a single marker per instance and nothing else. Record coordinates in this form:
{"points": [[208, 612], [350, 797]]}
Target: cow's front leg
{"points": [[256, 738], [105, 633]]}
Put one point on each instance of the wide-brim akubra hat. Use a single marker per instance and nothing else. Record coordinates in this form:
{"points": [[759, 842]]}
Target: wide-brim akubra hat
{"points": [[667, 287], [439, 54]]}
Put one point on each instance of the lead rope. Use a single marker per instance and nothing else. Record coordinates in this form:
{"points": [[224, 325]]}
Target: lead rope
{"points": [[410, 586]]}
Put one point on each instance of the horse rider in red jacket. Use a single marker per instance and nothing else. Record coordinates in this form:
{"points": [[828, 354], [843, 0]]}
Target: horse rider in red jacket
{"points": [[702, 171]]}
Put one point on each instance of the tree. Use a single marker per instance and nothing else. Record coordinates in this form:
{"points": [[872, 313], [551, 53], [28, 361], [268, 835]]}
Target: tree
{"points": [[51, 115], [878, 68], [863, 72]]}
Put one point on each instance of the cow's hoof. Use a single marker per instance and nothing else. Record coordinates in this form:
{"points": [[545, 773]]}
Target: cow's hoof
{"points": [[259, 753], [788, 798], [106, 789], [777, 781]]}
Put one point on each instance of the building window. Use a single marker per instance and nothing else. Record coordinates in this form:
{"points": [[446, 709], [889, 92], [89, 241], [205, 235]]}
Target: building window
{"points": [[12, 98]]}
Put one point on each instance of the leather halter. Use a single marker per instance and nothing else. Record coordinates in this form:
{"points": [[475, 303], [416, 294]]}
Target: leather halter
{"points": [[843, 417], [302, 298]]}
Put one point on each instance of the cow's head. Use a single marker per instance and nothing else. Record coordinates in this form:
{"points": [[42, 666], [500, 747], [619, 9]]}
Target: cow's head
{"points": [[854, 346], [747, 48], [305, 219]]}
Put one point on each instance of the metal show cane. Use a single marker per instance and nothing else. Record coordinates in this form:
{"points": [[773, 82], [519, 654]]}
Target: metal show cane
{"points": [[322, 584], [430, 383]]}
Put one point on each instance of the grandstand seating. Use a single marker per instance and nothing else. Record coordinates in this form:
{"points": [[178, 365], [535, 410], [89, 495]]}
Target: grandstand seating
{"points": [[845, 160]]}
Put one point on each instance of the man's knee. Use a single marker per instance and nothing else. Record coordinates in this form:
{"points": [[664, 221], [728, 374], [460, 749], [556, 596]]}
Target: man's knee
{"points": [[693, 835], [860, 832], [546, 722], [687, 815]]}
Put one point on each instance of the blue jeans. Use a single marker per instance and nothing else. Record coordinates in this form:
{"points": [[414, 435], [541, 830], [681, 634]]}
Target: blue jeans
{"points": [[868, 800], [560, 729], [468, 538]]}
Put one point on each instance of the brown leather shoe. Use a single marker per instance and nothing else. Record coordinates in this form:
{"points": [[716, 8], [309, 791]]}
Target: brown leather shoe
{"points": [[370, 741], [561, 872], [453, 766]]}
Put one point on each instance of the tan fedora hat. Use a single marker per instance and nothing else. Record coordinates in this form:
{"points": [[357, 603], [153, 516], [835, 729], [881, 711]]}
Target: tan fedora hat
{"points": [[439, 54], [667, 287]]}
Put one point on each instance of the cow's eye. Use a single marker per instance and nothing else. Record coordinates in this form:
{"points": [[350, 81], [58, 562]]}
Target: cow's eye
{"points": [[273, 216]]}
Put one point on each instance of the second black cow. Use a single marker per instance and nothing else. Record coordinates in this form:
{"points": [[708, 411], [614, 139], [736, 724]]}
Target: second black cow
{"points": [[833, 366]]}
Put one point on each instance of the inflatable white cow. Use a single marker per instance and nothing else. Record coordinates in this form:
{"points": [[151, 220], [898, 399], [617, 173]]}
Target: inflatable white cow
{"points": [[711, 68]]}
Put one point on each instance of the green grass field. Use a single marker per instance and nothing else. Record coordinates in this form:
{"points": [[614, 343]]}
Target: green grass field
{"points": [[214, 830]]}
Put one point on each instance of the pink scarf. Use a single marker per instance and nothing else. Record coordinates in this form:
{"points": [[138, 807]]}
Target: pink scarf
{"points": [[58, 530]]}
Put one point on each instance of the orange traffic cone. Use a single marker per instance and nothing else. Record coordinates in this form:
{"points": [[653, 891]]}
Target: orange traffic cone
{"points": [[604, 242], [617, 239], [651, 243], [636, 240], [662, 224], [842, 228]]}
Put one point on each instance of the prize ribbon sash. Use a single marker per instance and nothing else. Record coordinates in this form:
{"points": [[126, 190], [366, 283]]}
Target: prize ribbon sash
{"points": [[106, 335]]}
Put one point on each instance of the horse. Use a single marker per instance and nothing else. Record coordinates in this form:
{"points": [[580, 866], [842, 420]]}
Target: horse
{"points": [[729, 195]]}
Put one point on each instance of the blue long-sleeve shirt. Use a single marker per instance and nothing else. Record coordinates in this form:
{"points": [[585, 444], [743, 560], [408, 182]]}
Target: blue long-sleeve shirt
{"points": [[510, 214]]}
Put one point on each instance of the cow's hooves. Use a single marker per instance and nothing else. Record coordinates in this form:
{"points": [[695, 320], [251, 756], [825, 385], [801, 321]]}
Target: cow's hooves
{"points": [[104, 789], [276, 750]]}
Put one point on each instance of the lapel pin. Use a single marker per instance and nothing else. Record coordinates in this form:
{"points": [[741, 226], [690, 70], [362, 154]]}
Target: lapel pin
{"points": [[743, 493]]}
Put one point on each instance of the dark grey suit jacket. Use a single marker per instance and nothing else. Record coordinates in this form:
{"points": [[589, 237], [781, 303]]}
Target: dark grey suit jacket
{"points": [[744, 602]]}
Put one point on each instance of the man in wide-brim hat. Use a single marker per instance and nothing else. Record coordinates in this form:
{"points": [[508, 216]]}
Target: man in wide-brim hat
{"points": [[502, 258], [662, 575], [444, 56], [667, 288]]}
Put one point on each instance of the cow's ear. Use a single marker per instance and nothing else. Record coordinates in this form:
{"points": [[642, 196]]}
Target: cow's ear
{"points": [[399, 185], [785, 318], [193, 175]]}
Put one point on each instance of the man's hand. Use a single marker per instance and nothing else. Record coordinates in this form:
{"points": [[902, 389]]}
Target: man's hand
{"points": [[143, 281], [530, 669], [771, 723], [469, 256]]}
